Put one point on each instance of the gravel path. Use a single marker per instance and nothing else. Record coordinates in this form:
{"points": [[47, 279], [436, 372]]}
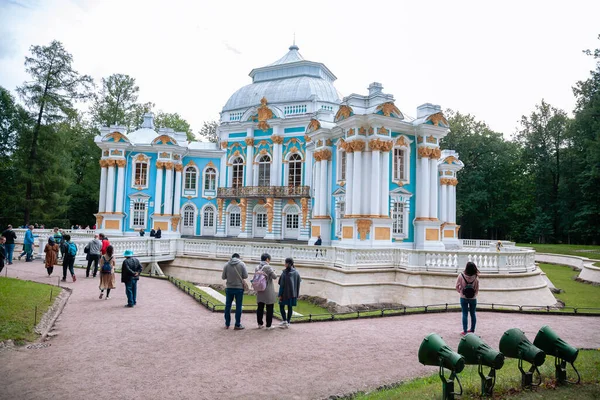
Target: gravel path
{"points": [[170, 347]]}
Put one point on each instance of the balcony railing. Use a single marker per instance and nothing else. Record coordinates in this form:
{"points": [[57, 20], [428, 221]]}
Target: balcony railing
{"points": [[264, 191]]}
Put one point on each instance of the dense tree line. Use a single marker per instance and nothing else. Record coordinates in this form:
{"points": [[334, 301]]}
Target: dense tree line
{"points": [[49, 170], [541, 186]]}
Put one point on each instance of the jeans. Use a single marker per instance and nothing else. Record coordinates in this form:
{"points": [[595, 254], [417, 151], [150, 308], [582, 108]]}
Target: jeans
{"points": [[28, 249], [239, 299], [68, 262], [260, 311], [283, 315], [468, 306], [131, 292], [92, 258], [10, 248]]}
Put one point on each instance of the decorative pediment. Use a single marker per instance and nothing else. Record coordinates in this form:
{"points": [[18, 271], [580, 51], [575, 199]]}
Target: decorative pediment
{"points": [[438, 119], [344, 112], [403, 141], [139, 197], [313, 125], [165, 139], [115, 137], [141, 158], [389, 110], [339, 192]]}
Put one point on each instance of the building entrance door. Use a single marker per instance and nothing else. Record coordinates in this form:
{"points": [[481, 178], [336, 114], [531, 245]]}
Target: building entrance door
{"points": [[189, 220], [208, 221], [234, 222], [291, 230], [260, 224]]}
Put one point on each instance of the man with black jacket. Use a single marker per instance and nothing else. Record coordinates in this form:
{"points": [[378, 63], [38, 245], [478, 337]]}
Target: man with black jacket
{"points": [[130, 273], [9, 245]]}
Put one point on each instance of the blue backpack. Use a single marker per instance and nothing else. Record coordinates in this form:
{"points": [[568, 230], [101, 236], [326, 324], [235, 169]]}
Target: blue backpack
{"points": [[72, 249], [106, 267]]}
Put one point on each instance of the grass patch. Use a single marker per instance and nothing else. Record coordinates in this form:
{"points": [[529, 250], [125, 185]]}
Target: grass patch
{"points": [[508, 383], [579, 250], [18, 300], [576, 294], [304, 307]]}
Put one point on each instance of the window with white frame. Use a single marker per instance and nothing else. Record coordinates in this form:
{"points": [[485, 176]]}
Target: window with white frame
{"points": [[264, 171], [235, 218], [291, 221], [295, 170], [261, 220], [209, 217], [398, 218], [188, 216], [342, 166], [210, 182], [139, 214], [340, 211], [190, 180], [141, 174], [399, 164], [237, 175]]}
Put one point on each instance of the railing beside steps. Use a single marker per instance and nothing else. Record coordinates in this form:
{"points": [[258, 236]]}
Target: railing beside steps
{"points": [[485, 243], [45, 233]]}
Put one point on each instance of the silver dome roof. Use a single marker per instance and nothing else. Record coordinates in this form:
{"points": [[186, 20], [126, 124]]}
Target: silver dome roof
{"points": [[290, 79]]}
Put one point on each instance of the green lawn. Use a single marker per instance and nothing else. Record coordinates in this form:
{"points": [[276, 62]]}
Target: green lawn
{"points": [[567, 249], [18, 300], [576, 294], [508, 383], [303, 307]]}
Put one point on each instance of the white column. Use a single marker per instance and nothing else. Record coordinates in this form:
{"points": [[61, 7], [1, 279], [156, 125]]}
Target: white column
{"points": [[444, 203], [349, 182], [385, 181], [323, 188], [249, 157], [375, 178], [452, 204], [308, 165], [317, 207], [357, 189], [120, 186], [177, 201], [110, 187], [169, 190], [102, 199], [158, 190], [223, 171], [433, 188], [423, 188]]}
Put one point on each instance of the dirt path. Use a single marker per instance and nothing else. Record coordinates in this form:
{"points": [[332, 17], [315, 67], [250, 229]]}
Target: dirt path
{"points": [[169, 347]]}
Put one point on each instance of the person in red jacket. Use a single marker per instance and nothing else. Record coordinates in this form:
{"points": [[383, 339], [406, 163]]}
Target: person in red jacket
{"points": [[105, 243]]}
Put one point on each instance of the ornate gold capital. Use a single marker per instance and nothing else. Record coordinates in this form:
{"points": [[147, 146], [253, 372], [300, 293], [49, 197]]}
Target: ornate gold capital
{"points": [[121, 163], [376, 144], [277, 139], [178, 167], [169, 165], [160, 164], [249, 141], [321, 155], [363, 227], [357, 146], [429, 152]]}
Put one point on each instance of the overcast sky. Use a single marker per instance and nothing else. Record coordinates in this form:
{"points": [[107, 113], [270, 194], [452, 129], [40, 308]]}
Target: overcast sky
{"points": [[495, 60]]}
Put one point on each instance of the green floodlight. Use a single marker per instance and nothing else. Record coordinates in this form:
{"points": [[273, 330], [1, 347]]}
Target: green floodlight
{"points": [[514, 344], [434, 351], [477, 352], [547, 340]]}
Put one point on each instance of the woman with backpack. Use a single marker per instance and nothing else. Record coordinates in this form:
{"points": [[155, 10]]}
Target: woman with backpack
{"points": [[289, 287], [262, 283], [107, 272], [467, 285], [51, 251]]}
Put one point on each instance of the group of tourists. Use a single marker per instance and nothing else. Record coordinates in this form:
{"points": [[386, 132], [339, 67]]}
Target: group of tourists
{"points": [[235, 275]]}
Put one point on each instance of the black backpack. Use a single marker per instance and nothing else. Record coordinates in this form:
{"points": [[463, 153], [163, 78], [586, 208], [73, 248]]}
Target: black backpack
{"points": [[469, 290]]}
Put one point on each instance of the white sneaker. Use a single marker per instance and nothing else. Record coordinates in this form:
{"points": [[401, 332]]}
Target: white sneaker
{"points": [[284, 325], [107, 297], [260, 327], [270, 328]]}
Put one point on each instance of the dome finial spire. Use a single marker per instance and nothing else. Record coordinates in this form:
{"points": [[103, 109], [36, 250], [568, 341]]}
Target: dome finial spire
{"points": [[293, 46]]}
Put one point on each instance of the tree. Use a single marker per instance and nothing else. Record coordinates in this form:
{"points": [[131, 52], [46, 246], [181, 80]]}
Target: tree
{"points": [[209, 131], [115, 104], [175, 122], [138, 112], [50, 95]]}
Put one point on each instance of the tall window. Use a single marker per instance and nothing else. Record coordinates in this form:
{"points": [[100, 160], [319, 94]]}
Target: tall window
{"points": [[237, 179], [291, 221], [235, 219], [398, 218], [209, 217], [210, 179], [264, 171], [295, 170], [190, 178], [139, 215], [399, 166], [261, 220], [141, 174], [188, 216], [342, 166]]}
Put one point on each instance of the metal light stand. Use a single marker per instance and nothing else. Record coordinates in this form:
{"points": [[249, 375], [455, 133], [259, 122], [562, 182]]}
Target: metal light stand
{"points": [[448, 384], [561, 372], [527, 377], [487, 382]]}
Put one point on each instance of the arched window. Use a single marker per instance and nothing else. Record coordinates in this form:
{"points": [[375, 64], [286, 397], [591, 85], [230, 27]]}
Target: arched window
{"points": [[210, 179], [264, 171], [295, 170], [188, 216], [237, 176], [209, 217], [191, 175], [399, 164]]}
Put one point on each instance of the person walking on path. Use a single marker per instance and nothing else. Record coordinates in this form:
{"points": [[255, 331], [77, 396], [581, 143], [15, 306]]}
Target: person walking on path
{"points": [[94, 249], [9, 244], [51, 259], [107, 272], [58, 239], [28, 243], [289, 288], [130, 273], [467, 285], [69, 258], [105, 243], [234, 272], [2, 252], [267, 296]]}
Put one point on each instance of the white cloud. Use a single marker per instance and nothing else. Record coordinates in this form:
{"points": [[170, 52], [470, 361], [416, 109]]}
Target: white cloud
{"points": [[493, 60]]}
